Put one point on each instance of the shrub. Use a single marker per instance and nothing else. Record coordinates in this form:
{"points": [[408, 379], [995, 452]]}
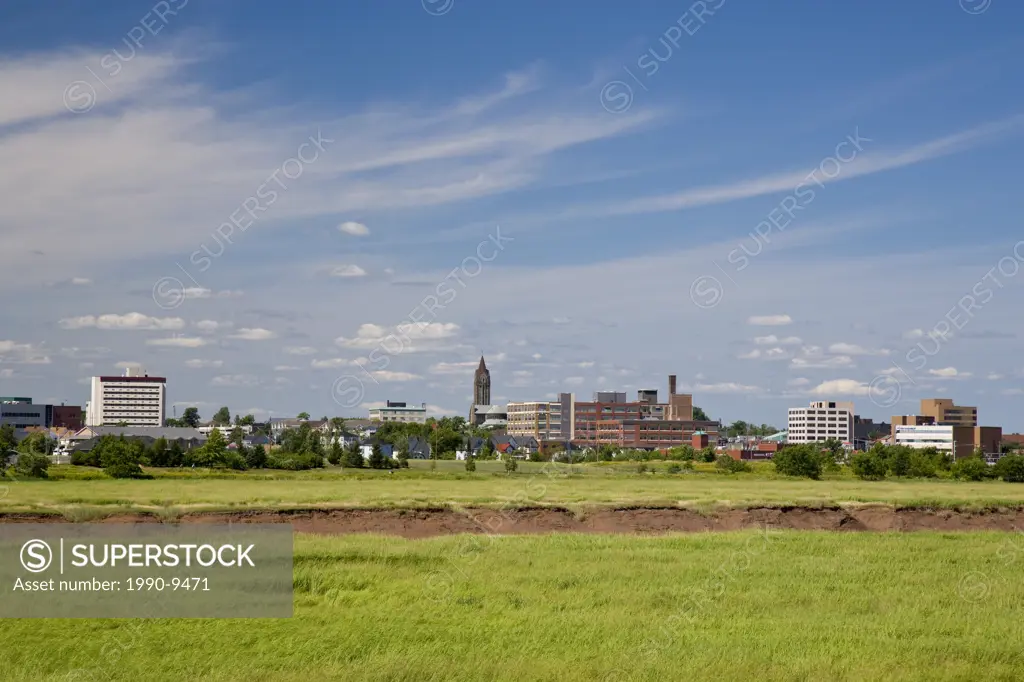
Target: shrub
{"points": [[674, 468], [708, 454], [899, 461], [688, 465], [89, 458], [336, 453], [32, 465], [799, 460], [120, 460], [972, 469], [510, 463], [641, 469], [256, 457], [868, 466], [921, 466], [730, 465], [470, 463], [1011, 468]]}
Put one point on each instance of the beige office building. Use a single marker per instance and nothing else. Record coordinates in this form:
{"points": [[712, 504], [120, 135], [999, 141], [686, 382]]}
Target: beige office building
{"points": [[943, 411], [542, 420]]}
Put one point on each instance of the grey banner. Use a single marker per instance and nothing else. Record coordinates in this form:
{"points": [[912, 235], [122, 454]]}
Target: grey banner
{"points": [[146, 570]]}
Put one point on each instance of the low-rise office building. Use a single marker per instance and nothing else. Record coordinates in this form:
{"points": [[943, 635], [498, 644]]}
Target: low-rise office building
{"points": [[958, 441]]}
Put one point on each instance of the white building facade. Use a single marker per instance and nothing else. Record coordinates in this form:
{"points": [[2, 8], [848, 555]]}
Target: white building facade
{"points": [[820, 421], [399, 412], [940, 437], [135, 399]]}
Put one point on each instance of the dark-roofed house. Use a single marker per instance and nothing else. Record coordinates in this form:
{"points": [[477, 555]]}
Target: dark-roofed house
{"points": [[186, 437], [419, 448]]}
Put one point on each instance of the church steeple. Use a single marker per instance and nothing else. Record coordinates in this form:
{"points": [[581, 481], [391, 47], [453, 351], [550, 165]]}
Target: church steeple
{"points": [[482, 384]]}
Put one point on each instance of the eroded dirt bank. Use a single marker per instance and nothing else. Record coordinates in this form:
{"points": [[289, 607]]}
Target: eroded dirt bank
{"points": [[432, 522]]}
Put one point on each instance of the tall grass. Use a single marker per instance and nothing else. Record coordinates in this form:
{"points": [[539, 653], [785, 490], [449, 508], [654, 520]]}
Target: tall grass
{"points": [[775, 606]]}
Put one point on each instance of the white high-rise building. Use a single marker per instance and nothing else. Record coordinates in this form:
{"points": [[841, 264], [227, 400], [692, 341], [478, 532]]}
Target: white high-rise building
{"points": [[820, 421], [136, 399]]}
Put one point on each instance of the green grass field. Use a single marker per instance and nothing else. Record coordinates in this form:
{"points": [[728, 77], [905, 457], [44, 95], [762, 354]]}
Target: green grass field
{"points": [[750, 605], [450, 484]]}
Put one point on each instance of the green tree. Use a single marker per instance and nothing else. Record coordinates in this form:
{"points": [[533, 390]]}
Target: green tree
{"points": [[190, 417], [32, 465], [377, 458], [175, 454], [36, 443], [336, 453], [337, 425], [972, 469], [708, 454], [7, 440], [354, 456], [255, 456], [247, 420], [868, 466], [799, 460], [470, 462], [510, 462], [834, 451], [303, 416], [487, 449], [213, 452], [1010, 468], [737, 428], [158, 454], [120, 460], [222, 417], [700, 415]]}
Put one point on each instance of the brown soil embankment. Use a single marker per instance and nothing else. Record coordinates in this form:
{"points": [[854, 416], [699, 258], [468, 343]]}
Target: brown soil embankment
{"points": [[421, 523]]}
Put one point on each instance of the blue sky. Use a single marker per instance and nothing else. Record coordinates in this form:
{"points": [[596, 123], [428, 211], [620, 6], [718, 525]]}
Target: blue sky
{"points": [[648, 170]]}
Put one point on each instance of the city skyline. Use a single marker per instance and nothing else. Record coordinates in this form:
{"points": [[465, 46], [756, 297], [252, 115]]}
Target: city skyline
{"points": [[586, 208]]}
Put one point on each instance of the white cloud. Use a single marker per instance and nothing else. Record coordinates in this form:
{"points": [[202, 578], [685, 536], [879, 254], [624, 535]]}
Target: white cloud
{"points": [[770, 320], [1013, 391], [854, 349], [574, 381], [454, 367], [202, 364], [776, 354], [913, 334], [402, 339], [178, 342], [128, 365], [772, 340], [821, 363], [235, 380], [949, 373], [253, 334], [81, 281], [300, 350], [798, 381], [286, 368], [725, 387], [993, 376], [353, 228], [332, 363], [208, 325], [586, 364], [126, 321], [348, 270], [385, 375], [865, 163], [22, 353], [6, 373], [752, 355], [840, 387]]}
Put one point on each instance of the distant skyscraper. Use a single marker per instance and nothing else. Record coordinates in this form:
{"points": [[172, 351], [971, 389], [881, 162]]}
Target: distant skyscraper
{"points": [[482, 384]]}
